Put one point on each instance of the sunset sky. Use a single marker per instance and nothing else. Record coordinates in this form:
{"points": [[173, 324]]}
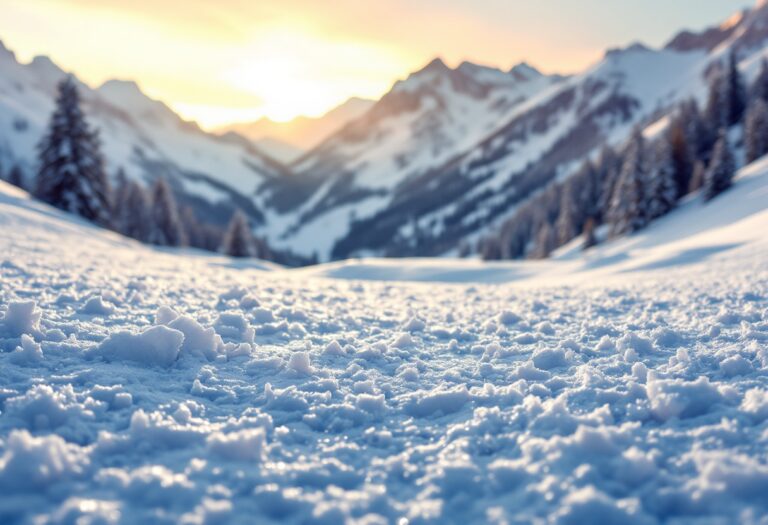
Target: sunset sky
{"points": [[235, 60]]}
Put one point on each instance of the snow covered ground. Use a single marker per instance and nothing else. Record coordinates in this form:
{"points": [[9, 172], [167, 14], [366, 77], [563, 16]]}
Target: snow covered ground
{"points": [[625, 386]]}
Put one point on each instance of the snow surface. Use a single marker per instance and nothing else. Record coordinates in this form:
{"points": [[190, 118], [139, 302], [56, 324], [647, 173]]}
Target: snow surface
{"points": [[623, 386]]}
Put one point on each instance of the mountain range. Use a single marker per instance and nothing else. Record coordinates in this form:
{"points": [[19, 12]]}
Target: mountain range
{"points": [[439, 161], [287, 141]]}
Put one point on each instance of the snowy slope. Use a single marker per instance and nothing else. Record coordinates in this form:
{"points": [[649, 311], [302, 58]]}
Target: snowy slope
{"points": [[438, 202], [141, 135], [692, 234], [420, 124], [627, 387]]}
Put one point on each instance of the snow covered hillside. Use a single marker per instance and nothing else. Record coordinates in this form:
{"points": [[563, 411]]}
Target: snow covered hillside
{"points": [[626, 386], [140, 135]]}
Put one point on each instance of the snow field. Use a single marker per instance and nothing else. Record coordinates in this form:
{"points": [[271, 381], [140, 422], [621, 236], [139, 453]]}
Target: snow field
{"points": [[146, 386]]}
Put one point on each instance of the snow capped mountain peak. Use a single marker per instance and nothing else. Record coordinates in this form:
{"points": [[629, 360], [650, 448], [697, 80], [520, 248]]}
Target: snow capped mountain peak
{"points": [[126, 93], [6, 53], [124, 88], [634, 48], [436, 65], [524, 71], [46, 70]]}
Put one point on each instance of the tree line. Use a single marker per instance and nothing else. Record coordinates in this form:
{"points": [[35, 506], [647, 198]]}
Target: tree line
{"points": [[621, 192], [71, 176]]}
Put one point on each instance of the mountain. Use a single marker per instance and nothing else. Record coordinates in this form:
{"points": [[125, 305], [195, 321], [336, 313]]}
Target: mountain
{"points": [[423, 122], [287, 141], [143, 136], [440, 161], [448, 154]]}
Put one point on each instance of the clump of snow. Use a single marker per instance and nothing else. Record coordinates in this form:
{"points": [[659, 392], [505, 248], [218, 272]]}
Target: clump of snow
{"points": [[414, 324], [735, 366], [87, 510], [403, 340], [198, 340], [550, 358], [44, 408], [589, 505], [509, 318], [234, 327], [28, 353], [299, 362], [333, 348], [678, 398], [637, 345], [34, 463], [243, 445], [21, 317], [158, 345], [97, 306], [755, 403], [437, 402]]}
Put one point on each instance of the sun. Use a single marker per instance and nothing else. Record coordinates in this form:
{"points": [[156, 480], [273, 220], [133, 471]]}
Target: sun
{"points": [[297, 72]]}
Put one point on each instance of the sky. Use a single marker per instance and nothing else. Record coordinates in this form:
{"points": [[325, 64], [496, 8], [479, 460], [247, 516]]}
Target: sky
{"points": [[222, 61]]}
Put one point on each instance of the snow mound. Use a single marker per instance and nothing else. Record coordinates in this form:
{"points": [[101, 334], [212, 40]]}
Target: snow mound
{"points": [[36, 463], [158, 345]]}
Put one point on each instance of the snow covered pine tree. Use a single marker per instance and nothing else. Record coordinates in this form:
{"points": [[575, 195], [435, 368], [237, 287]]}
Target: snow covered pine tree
{"points": [[720, 173], [165, 227], [131, 212], [238, 242], [756, 130], [661, 186], [71, 173], [628, 212]]}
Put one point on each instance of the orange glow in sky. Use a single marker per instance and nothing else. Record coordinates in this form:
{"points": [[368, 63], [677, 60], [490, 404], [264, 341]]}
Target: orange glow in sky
{"points": [[236, 60]]}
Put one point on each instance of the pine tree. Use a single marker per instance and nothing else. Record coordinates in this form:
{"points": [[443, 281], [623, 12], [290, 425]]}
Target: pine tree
{"points": [[566, 227], [697, 179], [756, 130], [588, 182], [132, 211], [590, 238], [699, 135], [760, 85], [489, 249], [195, 235], [682, 158], [661, 185], [719, 175], [16, 177], [118, 191], [71, 175], [735, 92], [627, 212], [238, 241], [166, 228], [546, 241], [716, 111], [608, 168]]}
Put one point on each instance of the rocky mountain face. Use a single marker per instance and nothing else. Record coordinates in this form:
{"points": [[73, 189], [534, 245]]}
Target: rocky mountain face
{"points": [[419, 126]]}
